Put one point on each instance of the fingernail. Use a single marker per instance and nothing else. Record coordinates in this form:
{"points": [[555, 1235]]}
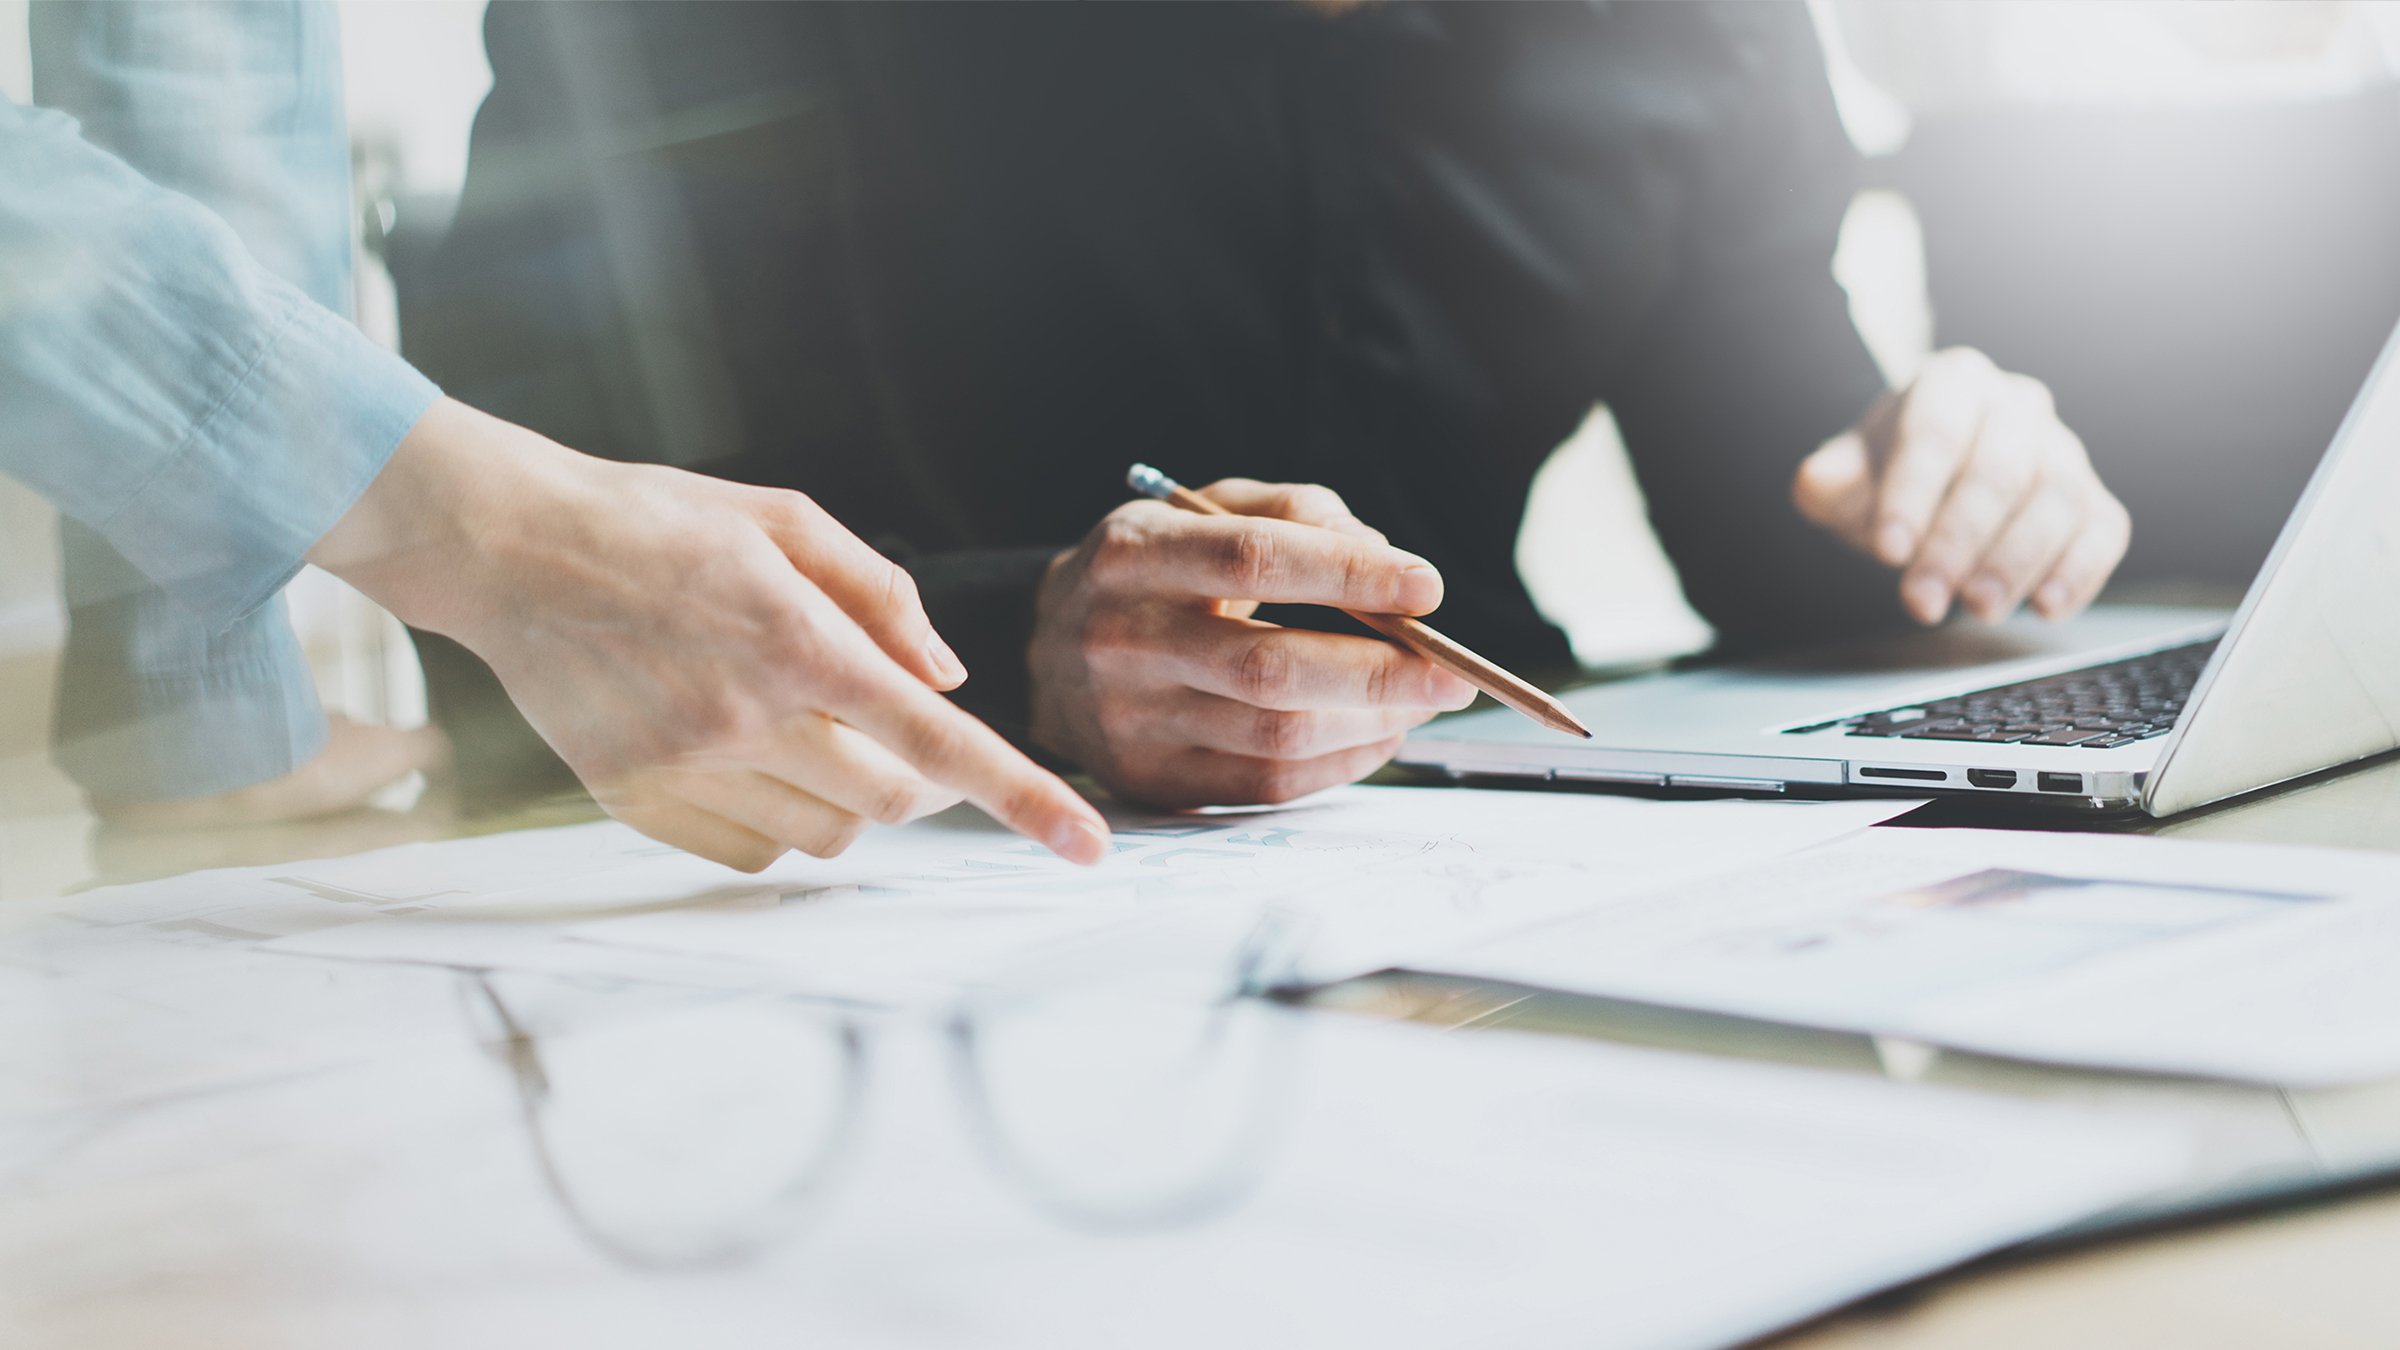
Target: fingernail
{"points": [[1419, 590], [2054, 598], [946, 664], [1079, 841], [1894, 543], [1983, 595], [1927, 597]]}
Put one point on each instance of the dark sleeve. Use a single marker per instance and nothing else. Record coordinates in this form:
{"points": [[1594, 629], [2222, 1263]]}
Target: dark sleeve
{"points": [[981, 602], [1749, 360]]}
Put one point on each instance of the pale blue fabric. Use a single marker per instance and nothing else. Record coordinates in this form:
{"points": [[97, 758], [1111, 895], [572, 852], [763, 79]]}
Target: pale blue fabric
{"points": [[176, 374]]}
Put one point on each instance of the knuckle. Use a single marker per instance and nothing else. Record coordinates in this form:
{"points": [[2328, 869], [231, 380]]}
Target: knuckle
{"points": [[1968, 363], [2118, 522], [1974, 508], [1362, 579], [1262, 672], [1250, 560], [752, 858], [893, 802], [1023, 802], [2033, 393], [1119, 720], [1105, 633], [796, 508], [720, 723], [1280, 735], [935, 741], [831, 838], [1313, 501], [1383, 679], [840, 683], [2057, 506], [1272, 784], [897, 591], [1115, 547]]}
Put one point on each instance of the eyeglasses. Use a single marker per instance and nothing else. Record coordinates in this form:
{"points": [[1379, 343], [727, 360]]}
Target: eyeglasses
{"points": [[679, 1127]]}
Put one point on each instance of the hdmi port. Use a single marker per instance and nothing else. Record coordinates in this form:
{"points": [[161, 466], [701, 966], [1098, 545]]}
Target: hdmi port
{"points": [[1992, 778]]}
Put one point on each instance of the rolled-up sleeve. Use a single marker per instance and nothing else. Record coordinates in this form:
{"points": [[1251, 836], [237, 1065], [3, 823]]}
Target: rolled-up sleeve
{"points": [[203, 415], [176, 375]]}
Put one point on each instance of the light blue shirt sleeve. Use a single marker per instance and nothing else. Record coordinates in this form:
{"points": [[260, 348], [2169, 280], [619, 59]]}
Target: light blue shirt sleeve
{"points": [[175, 374]]}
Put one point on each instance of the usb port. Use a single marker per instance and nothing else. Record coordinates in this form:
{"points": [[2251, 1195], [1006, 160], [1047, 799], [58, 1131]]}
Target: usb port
{"points": [[2062, 782], [1992, 778]]}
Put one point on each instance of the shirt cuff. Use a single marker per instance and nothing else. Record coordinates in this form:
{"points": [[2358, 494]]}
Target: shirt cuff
{"points": [[981, 602], [273, 466], [153, 707]]}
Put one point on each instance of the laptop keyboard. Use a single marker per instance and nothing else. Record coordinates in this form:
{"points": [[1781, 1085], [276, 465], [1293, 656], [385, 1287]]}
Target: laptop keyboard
{"points": [[2097, 707]]}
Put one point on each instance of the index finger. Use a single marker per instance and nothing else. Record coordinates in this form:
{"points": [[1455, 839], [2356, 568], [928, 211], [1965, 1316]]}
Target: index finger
{"points": [[877, 593], [942, 742], [1308, 503], [1256, 558]]}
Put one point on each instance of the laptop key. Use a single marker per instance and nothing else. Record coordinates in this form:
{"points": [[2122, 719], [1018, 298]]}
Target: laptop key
{"points": [[1985, 734], [2099, 706]]}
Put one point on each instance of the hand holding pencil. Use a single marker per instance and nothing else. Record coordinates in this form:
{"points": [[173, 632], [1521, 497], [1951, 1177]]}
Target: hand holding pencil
{"points": [[1412, 633], [1148, 670]]}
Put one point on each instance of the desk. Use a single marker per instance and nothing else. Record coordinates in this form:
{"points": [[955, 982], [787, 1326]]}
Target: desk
{"points": [[2311, 1277]]}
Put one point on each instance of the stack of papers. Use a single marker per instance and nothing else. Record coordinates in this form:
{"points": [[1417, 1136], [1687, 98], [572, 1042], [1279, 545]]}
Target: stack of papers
{"points": [[1368, 877], [2262, 964], [1413, 1188]]}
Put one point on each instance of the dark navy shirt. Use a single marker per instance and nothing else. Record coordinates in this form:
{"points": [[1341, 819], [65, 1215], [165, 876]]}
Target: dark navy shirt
{"points": [[949, 268]]}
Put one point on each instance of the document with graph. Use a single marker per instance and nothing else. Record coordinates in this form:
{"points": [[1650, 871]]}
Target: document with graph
{"points": [[2265, 964]]}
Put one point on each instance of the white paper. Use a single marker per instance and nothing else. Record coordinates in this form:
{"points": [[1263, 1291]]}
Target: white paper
{"points": [[1423, 1189], [2264, 964], [1375, 876]]}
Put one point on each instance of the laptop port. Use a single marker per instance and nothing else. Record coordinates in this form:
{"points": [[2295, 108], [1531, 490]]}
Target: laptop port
{"points": [[1992, 778], [2062, 782], [1912, 775]]}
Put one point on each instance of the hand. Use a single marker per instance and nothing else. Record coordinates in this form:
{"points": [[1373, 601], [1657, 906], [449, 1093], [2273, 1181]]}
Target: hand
{"points": [[725, 667], [1968, 482], [1149, 671], [358, 761]]}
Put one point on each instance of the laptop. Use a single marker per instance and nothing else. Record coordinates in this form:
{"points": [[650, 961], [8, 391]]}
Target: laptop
{"points": [[2125, 708]]}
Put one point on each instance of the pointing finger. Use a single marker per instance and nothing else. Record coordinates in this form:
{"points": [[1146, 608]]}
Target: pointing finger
{"points": [[877, 593]]}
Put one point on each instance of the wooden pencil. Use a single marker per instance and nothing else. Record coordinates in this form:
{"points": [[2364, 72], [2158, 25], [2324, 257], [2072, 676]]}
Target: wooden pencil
{"points": [[1412, 633]]}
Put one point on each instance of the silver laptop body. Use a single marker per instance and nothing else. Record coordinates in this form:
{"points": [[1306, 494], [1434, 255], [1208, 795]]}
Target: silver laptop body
{"points": [[2306, 676]]}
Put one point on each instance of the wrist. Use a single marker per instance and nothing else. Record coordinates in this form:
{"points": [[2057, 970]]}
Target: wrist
{"points": [[426, 538]]}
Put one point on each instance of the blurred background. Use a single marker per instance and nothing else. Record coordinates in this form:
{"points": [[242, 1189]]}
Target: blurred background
{"points": [[2183, 217]]}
